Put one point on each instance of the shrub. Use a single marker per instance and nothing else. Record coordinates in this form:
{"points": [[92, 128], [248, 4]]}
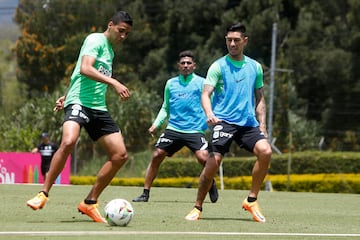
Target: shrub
{"points": [[301, 163], [326, 183]]}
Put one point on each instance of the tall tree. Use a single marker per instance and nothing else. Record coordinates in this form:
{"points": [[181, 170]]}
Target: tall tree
{"points": [[322, 59], [317, 39]]}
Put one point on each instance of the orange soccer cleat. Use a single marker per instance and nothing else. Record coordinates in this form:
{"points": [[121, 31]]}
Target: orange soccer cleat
{"points": [[254, 209], [92, 211]]}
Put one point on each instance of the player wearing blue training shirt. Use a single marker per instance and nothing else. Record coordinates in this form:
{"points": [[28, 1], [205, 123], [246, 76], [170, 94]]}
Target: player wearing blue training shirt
{"points": [[186, 122], [182, 105], [241, 110], [238, 113]]}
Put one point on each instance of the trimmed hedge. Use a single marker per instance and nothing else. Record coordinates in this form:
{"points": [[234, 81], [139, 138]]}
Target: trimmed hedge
{"points": [[325, 183], [301, 163], [310, 172]]}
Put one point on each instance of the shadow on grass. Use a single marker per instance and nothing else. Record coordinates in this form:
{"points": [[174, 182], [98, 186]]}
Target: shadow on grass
{"points": [[78, 221], [226, 219], [165, 201], [173, 201]]}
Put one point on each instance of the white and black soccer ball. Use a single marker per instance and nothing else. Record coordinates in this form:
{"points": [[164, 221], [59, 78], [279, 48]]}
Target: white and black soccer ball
{"points": [[118, 212]]}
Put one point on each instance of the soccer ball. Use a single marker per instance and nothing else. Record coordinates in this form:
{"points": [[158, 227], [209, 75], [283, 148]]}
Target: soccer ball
{"points": [[118, 212]]}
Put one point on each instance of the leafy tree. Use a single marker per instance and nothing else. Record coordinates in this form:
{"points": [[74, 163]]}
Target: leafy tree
{"points": [[45, 51], [319, 40], [21, 129], [135, 116], [11, 91], [322, 59]]}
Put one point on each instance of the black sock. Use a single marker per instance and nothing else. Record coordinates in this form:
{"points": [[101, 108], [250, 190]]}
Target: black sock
{"points": [[198, 208], [251, 199], [146, 192], [45, 193], [87, 201]]}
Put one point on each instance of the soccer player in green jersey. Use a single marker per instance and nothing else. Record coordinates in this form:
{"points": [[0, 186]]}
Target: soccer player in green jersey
{"points": [[186, 122], [237, 113], [84, 106]]}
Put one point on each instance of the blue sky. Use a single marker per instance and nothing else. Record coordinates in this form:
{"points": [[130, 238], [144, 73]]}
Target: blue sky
{"points": [[7, 8]]}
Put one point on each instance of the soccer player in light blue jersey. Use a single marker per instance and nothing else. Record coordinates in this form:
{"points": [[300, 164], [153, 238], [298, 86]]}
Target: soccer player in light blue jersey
{"points": [[237, 113], [186, 122]]}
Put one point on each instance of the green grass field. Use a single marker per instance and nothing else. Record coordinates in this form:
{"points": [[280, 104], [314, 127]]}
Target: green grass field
{"points": [[289, 215]]}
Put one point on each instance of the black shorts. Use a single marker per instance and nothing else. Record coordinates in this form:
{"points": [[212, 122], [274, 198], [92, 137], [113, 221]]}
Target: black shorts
{"points": [[97, 123], [171, 141], [223, 134], [45, 166]]}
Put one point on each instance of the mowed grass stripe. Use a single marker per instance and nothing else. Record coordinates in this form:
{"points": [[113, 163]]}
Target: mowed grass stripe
{"points": [[290, 215], [100, 233]]}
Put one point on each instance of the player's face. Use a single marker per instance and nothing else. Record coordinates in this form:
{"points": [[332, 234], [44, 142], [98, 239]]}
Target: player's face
{"points": [[186, 66], [119, 32], [235, 43]]}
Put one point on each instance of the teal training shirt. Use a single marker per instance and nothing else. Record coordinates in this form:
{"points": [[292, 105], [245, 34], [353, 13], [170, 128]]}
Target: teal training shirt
{"points": [[84, 90], [182, 105], [235, 83]]}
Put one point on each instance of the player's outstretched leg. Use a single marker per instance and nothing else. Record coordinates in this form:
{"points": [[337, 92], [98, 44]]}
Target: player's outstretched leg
{"points": [[193, 215], [213, 192], [144, 197], [92, 210], [254, 209], [38, 201]]}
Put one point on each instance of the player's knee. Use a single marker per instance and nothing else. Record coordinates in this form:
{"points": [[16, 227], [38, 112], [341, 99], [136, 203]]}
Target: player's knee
{"points": [[266, 152], [119, 158], [123, 157], [67, 144], [202, 157], [202, 160], [263, 147], [263, 152], [158, 155]]}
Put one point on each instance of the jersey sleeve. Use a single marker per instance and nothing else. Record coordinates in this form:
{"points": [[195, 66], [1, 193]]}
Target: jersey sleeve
{"points": [[213, 75], [91, 46], [164, 111], [259, 83]]}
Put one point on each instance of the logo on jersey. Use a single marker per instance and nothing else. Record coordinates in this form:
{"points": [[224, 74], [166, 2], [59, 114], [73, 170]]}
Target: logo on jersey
{"points": [[239, 80], [104, 71]]}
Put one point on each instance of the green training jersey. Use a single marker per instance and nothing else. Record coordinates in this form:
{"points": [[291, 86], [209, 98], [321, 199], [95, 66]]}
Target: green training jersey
{"points": [[86, 91]]}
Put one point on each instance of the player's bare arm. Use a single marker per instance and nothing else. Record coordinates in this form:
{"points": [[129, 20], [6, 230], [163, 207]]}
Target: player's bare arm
{"points": [[261, 109], [87, 69], [211, 119]]}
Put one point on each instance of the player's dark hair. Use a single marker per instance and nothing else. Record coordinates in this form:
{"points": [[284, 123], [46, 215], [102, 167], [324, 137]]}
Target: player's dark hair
{"points": [[187, 53], [237, 27], [122, 16]]}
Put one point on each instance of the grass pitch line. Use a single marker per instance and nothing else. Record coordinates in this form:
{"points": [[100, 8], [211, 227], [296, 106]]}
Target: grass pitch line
{"points": [[104, 233]]}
